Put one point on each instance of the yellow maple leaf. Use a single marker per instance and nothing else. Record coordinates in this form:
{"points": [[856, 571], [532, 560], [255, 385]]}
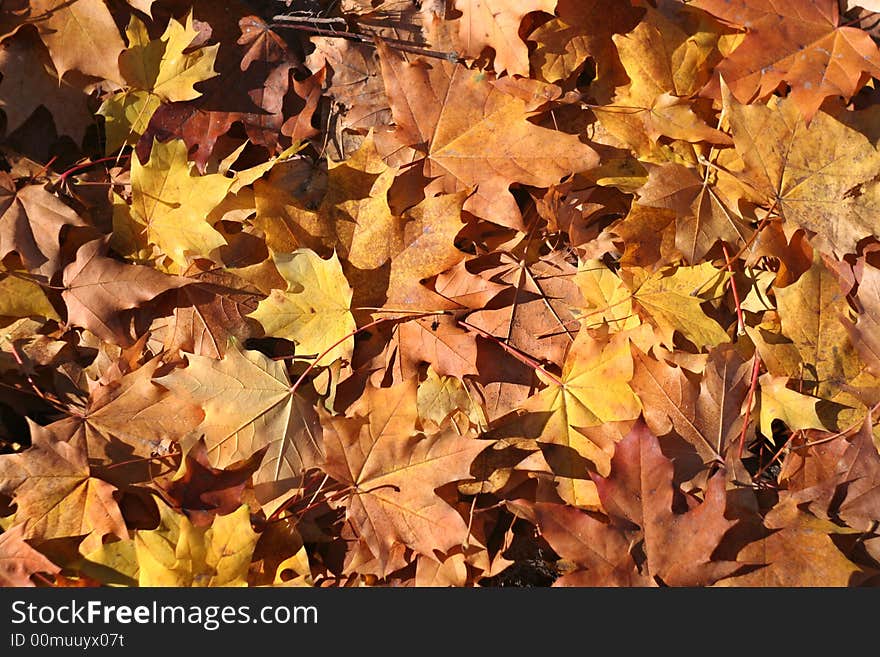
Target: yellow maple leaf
{"points": [[354, 217], [592, 391], [779, 402], [821, 177], [315, 309], [249, 405], [156, 71], [179, 554], [665, 66], [672, 298], [607, 300], [20, 297], [170, 204]]}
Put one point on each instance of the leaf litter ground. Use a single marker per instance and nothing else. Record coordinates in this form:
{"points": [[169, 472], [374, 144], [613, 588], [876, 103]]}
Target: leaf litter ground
{"points": [[392, 293]]}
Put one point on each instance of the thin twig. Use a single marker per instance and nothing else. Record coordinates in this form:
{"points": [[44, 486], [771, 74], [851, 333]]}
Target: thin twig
{"points": [[397, 44]]}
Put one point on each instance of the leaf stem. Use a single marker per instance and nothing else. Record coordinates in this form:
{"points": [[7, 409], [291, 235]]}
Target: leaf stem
{"points": [[293, 388], [756, 368], [740, 322], [86, 165], [513, 351]]}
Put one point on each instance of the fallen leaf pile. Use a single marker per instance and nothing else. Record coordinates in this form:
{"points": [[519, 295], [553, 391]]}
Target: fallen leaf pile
{"points": [[393, 293]]}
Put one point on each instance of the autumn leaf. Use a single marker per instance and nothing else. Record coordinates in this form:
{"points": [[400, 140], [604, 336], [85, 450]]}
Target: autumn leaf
{"points": [[31, 220], [19, 562], [705, 411], [156, 71], [812, 311], [315, 309], [482, 25], [807, 47], [21, 297], [202, 492], [865, 332], [442, 397], [351, 216], [672, 299], [253, 89], [394, 470], [533, 314], [606, 298], [581, 30], [80, 35], [800, 551], [207, 313], [664, 68], [53, 487], [442, 135], [859, 468], [249, 405], [125, 421], [600, 551], [579, 409], [178, 554], [796, 410], [796, 168], [28, 83], [171, 205], [678, 547], [352, 78], [98, 288], [705, 201]]}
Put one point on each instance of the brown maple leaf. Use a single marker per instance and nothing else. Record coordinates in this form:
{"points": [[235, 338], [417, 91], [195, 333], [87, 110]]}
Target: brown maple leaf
{"points": [[865, 331], [207, 313], [859, 468], [29, 82], [797, 169], [640, 491], [31, 219], [53, 487], [705, 201], [80, 35], [19, 562], [126, 421], [394, 470], [98, 288], [469, 134], [705, 411], [582, 29], [804, 45]]}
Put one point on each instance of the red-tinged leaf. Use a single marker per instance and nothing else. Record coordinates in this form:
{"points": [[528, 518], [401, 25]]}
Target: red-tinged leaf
{"points": [[202, 491], [600, 550], [678, 546], [477, 137], [805, 45], [252, 92]]}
